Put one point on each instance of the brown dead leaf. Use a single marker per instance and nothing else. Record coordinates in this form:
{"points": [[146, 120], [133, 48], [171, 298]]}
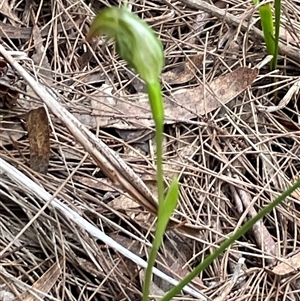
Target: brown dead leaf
{"points": [[154, 290], [202, 100], [288, 266], [44, 284], [138, 136], [39, 140], [182, 106], [177, 252], [136, 82], [129, 243], [3, 68], [73, 152], [288, 36], [197, 25], [124, 202], [220, 4], [88, 267], [183, 72], [104, 95], [128, 267], [185, 148], [287, 122], [104, 184], [133, 210]]}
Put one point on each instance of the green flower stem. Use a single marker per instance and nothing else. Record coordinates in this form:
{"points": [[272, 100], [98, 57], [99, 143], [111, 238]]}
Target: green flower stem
{"points": [[210, 258], [151, 261], [165, 211], [157, 108]]}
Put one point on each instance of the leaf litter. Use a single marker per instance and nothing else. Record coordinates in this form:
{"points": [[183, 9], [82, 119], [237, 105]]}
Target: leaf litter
{"points": [[231, 157], [181, 106]]}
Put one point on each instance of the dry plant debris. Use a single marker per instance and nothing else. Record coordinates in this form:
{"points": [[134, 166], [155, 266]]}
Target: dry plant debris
{"points": [[39, 140], [233, 154]]}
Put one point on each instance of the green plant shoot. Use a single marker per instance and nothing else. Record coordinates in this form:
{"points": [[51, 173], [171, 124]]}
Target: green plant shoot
{"points": [[138, 45], [267, 24], [266, 19]]}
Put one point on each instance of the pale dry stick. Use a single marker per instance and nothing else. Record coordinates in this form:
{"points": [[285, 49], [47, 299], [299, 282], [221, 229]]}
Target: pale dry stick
{"points": [[26, 183], [227, 167], [161, 18], [293, 91], [232, 282], [244, 206], [42, 209], [289, 51], [13, 32]]}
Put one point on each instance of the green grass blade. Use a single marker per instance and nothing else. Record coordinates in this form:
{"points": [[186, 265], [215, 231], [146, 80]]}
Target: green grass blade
{"points": [[247, 226]]}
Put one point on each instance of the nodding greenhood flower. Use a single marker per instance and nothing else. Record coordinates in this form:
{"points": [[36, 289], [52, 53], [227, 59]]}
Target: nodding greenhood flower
{"points": [[136, 43]]}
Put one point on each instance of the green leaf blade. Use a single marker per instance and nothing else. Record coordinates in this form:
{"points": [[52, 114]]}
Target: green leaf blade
{"points": [[165, 211]]}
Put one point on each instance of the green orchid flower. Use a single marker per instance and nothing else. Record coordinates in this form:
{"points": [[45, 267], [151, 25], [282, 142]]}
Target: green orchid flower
{"points": [[135, 41]]}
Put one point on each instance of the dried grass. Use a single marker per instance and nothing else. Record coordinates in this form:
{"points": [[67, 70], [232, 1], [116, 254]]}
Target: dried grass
{"points": [[231, 162]]}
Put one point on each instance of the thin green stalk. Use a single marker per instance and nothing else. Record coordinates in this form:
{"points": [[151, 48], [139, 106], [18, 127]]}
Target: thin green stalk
{"points": [[155, 97], [151, 261], [277, 31], [165, 211], [157, 108], [247, 226]]}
